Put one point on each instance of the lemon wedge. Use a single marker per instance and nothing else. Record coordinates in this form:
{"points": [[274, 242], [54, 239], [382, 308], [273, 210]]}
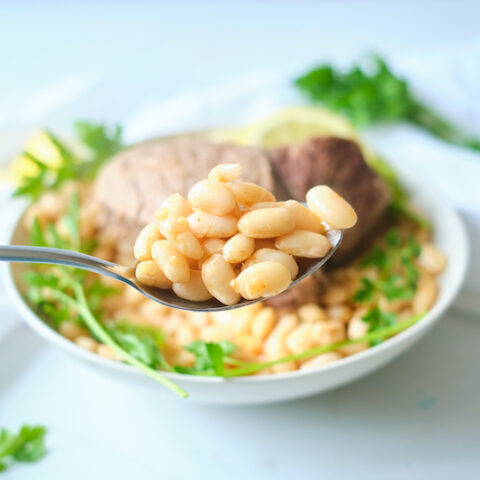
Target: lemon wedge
{"points": [[289, 126], [40, 146], [293, 126]]}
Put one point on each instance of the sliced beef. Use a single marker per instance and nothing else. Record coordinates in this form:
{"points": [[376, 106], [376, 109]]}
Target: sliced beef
{"points": [[338, 163], [308, 290], [135, 182]]}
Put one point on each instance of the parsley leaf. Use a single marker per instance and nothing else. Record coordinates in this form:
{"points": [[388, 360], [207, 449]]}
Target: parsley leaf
{"points": [[397, 272], [64, 293], [26, 446], [370, 93], [377, 257], [141, 341], [209, 357], [378, 319], [365, 291]]}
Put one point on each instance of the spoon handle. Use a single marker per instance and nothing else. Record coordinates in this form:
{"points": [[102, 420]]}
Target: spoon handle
{"points": [[57, 256]]}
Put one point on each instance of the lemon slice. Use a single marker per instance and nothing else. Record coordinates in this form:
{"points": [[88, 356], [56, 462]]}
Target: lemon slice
{"points": [[40, 146], [295, 125], [292, 125]]}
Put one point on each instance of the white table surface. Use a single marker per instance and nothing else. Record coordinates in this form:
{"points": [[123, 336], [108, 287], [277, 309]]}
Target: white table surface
{"points": [[415, 419]]}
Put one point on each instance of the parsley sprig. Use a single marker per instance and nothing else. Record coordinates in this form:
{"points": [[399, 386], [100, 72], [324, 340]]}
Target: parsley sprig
{"points": [[210, 357], [248, 368], [100, 142], [214, 359], [397, 272], [370, 93], [28, 445], [397, 278], [141, 341], [63, 293]]}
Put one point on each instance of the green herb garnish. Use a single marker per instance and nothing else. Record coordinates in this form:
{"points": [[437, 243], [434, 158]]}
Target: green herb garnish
{"points": [[378, 320], [101, 144], [398, 274], [27, 445], [142, 342], [397, 278], [246, 368], [371, 93], [64, 293], [209, 357]]}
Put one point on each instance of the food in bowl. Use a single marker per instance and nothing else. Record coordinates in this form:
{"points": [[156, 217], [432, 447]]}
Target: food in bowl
{"points": [[383, 279], [171, 252]]}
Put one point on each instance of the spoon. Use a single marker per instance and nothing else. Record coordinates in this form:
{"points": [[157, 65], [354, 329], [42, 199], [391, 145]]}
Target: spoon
{"points": [[56, 256]]}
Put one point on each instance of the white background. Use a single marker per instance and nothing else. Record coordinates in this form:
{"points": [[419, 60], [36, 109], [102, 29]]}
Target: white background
{"points": [[143, 64]]}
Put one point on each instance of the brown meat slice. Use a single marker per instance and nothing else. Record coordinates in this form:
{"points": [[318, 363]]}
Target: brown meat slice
{"points": [[134, 183], [338, 163], [308, 290]]}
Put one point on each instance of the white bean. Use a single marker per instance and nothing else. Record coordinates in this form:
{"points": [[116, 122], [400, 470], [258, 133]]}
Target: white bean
{"points": [[238, 248], [213, 245], [301, 338], [335, 295], [305, 219], [170, 226], [225, 172], [348, 350], [340, 312], [331, 331], [212, 197], [177, 206], [193, 290], [425, 295], [357, 327], [187, 244], [273, 255], [150, 273], [266, 223], [331, 207], [88, 343], [275, 346], [106, 352], [262, 280], [217, 274], [263, 323], [321, 360], [204, 224], [173, 264], [303, 243], [432, 259], [71, 330], [311, 313], [248, 194], [241, 318], [144, 242]]}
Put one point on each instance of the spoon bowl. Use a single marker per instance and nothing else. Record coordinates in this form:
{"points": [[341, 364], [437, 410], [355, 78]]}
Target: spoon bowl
{"points": [[43, 255]]}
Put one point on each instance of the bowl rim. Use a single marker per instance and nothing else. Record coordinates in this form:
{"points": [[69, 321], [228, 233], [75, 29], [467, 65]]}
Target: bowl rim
{"points": [[416, 330]]}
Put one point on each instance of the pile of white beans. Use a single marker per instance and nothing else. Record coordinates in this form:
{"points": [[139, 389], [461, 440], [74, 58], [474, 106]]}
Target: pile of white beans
{"points": [[260, 332], [232, 239]]}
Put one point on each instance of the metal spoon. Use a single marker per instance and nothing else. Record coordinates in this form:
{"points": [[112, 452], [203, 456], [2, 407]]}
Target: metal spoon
{"points": [[56, 256]]}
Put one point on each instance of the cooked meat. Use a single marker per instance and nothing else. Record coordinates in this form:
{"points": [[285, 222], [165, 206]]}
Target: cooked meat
{"points": [[338, 163], [308, 290], [135, 182]]}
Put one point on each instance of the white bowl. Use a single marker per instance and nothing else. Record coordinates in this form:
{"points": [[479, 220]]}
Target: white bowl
{"points": [[449, 235]]}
